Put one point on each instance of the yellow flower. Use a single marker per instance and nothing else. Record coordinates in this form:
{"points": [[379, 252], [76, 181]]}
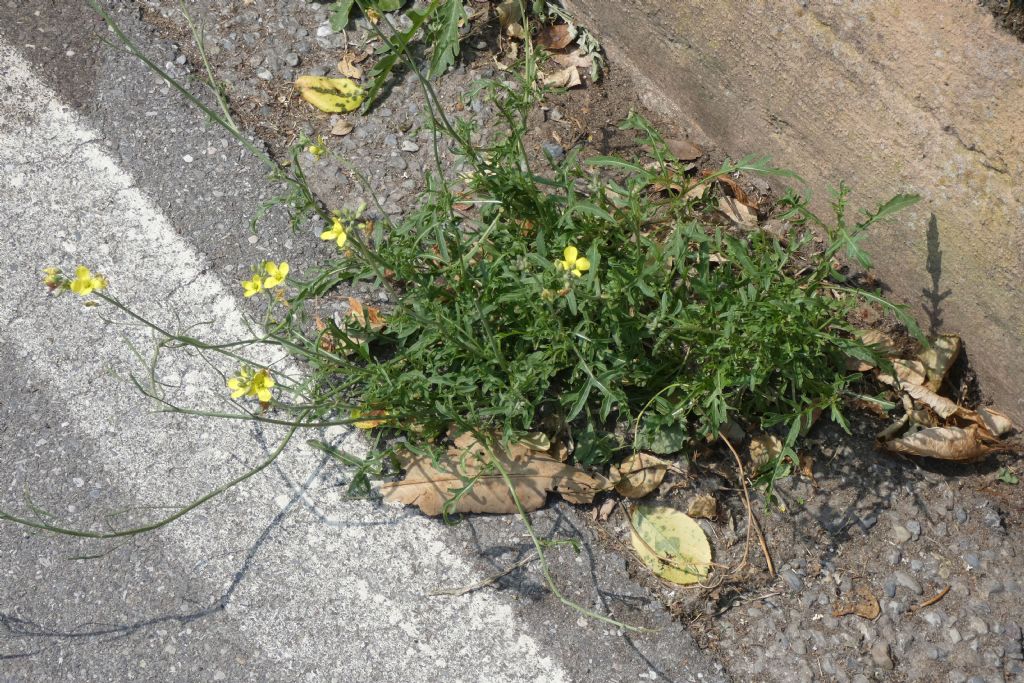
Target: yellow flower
{"points": [[52, 277], [253, 286], [86, 282], [573, 262], [317, 149], [249, 383], [336, 233], [276, 273]]}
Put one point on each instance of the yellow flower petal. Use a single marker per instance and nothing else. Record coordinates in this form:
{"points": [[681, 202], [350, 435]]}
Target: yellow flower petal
{"points": [[275, 273], [253, 286], [570, 253]]}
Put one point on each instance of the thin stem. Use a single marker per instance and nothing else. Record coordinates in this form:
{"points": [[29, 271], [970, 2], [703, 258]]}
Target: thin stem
{"points": [[5, 516]]}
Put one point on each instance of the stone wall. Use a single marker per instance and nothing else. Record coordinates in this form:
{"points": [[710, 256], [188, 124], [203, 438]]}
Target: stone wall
{"points": [[922, 96]]}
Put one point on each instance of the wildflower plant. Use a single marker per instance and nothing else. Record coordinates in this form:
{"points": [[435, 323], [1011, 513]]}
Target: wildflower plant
{"points": [[570, 297]]}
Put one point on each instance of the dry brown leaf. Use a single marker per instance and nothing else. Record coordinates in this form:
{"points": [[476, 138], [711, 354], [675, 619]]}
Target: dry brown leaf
{"points": [[533, 474], [697, 191], [602, 513], [807, 466], [909, 371], [684, 150], [556, 37], [995, 421], [737, 212], [348, 66], [638, 475], [942, 406], [365, 315], [704, 506], [509, 12], [859, 601], [939, 358], [342, 127], [763, 448], [944, 443], [569, 77], [734, 188], [884, 343], [575, 58]]}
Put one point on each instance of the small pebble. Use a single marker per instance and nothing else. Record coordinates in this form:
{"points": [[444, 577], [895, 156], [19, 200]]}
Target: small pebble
{"points": [[291, 59], [901, 534], [188, 159], [264, 74], [961, 515], [894, 557], [908, 582], [555, 151], [792, 579], [972, 561], [914, 527], [880, 655], [410, 146]]}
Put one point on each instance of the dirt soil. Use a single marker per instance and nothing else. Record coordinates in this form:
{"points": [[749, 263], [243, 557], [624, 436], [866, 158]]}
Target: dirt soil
{"points": [[936, 545]]}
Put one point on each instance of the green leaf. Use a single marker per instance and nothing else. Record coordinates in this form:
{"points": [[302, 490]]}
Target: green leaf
{"points": [[594, 449], [393, 48], [663, 439], [340, 12], [1007, 476], [388, 5], [444, 35], [897, 203]]}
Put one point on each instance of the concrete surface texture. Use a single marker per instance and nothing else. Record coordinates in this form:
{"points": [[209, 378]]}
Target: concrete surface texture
{"points": [[280, 579], [916, 96]]}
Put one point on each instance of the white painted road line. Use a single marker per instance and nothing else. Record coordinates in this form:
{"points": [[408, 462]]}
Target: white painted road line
{"points": [[339, 601]]}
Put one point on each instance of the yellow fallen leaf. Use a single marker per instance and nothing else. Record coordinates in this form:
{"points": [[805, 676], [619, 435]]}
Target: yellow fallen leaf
{"points": [[638, 475], [334, 95], [374, 420], [671, 544], [533, 475]]}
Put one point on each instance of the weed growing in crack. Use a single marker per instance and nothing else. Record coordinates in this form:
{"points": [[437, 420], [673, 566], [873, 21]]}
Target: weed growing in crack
{"points": [[596, 300]]}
